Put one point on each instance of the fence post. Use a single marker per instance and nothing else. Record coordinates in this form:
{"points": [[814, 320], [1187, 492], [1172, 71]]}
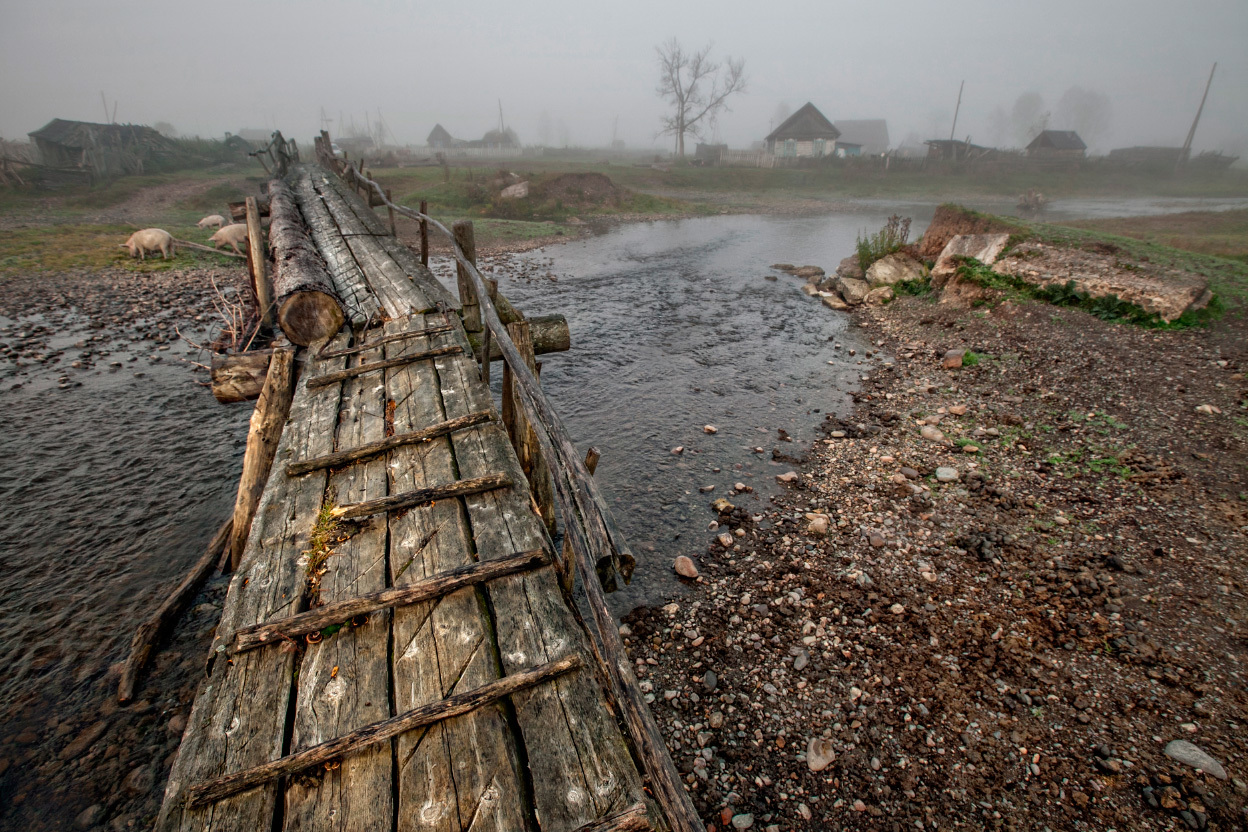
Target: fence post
{"points": [[462, 230], [424, 234], [528, 450], [492, 285], [256, 264], [393, 229], [567, 567]]}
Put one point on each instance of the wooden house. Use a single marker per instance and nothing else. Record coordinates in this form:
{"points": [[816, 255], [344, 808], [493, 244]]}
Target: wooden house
{"points": [[867, 136], [953, 150], [805, 134], [1057, 144], [103, 150], [440, 138]]}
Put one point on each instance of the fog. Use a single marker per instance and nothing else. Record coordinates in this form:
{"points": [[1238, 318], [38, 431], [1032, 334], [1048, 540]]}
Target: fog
{"points": [[579, 73]]}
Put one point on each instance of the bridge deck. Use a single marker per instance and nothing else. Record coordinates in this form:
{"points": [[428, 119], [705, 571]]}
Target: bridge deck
{"points": [[549, 756]]}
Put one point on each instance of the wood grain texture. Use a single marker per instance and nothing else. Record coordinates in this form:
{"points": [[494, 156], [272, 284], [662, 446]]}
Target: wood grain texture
{"points": [[344, 679], [308, 309], [579, 764], [374, 366], [368, 449], [239, 716]]}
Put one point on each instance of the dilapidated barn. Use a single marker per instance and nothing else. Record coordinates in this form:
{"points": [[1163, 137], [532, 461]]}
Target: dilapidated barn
{"points": [[102, 150], [1062, 144]]}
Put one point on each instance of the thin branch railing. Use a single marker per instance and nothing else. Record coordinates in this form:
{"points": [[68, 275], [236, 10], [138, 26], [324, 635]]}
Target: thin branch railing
{"points": [[588, 524]]}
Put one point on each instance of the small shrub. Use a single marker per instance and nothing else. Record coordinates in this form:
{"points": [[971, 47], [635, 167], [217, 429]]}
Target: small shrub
{"points": [[889, 239], [971, 359], [919, 287]]}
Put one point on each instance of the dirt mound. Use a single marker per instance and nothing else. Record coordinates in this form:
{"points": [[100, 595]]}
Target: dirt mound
{"points": [[952, 220], [588, 189]]}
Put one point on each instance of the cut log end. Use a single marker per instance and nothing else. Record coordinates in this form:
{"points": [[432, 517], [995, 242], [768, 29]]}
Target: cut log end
{"points": [[310, 317]]}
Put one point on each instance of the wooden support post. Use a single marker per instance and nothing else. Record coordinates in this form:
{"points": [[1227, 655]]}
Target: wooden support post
{"points": [[267, 421], [393, 228], [256, 264], [462, 229], [484, 354], [523, 436], [566, 566], [424, 234]]}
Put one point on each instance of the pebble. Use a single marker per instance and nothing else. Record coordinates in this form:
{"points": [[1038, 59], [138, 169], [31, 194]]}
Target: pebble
{"points": [[819, 754], [710, 681], [1192, 755], [944, 474], [89, 816], [787, 476], [139, 781], [958, 409], [678, 450], [685, 567], [818, 526], [742, 821], [897, 609], [953, 359], [725, 540], [930, 433], [710, 429], [910, 473]]}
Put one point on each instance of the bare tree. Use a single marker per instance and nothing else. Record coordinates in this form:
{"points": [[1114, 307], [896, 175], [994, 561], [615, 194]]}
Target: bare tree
{"points": [[1085, 111], [1028, 117], [696, 87]]}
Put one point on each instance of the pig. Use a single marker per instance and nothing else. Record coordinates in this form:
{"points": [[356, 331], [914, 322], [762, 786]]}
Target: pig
{"points": [[211, 221], [150, 239], [232, 235]]}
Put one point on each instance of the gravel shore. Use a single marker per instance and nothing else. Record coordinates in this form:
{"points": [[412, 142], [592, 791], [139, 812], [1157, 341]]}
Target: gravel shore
{"points": [[994, 597]]}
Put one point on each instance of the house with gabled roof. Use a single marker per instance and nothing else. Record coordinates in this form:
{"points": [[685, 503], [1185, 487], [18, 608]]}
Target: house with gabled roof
{"points": [[1057, 143], [805, 134], [867, 136]]}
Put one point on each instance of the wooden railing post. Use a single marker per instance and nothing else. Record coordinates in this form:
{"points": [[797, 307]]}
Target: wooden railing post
{"points": [[524, 438], [566, 567], [256, 264], [393, 229], [467, 294], [424, 234], [485, 336]]}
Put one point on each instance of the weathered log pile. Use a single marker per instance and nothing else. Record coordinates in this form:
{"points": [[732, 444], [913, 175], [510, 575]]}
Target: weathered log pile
{"points": [[308, 308]]}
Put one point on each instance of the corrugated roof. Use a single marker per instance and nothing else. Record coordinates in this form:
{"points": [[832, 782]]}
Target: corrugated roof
{"points": [[871, 134], [806, 123]]}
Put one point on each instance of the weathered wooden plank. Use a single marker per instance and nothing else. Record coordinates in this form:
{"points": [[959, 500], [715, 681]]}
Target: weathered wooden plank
{"points": [[344, 679], [239, 716], [425, 589], [463, 774], [423, 496], [360, 304], [580, 766], [374, 366], [368, 449], [378, 732]]}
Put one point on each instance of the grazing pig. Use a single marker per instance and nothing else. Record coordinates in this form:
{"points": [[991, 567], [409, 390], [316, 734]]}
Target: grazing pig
{"points": [[232, 235], [150, 239], [211, 221]]}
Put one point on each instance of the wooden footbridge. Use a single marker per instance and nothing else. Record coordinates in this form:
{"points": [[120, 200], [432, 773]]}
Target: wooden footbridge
{"points": [[401, 647]]}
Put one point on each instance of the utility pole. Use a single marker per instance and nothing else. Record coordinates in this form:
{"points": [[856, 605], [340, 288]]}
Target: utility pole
{"points": [[1186, 153], [955, 111], [104, 101]]}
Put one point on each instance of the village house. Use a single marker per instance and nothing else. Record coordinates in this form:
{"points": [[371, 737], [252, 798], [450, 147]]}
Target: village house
{"points": [[441, 139], [1057, 144], [805, 134], [862, 137]]}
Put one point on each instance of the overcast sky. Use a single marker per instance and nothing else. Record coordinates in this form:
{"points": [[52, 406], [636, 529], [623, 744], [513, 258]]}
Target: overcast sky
{"points": [[223, 65]]}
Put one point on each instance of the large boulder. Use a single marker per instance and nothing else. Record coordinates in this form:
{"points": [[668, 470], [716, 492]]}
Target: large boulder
{"points": [[517, 191], [850, 267], [895, 268], [985, 248], [879, 296], [853, 291], [1166, 292], [808, 272]]}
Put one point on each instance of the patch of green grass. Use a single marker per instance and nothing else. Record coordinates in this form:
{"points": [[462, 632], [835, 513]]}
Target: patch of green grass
{"points": [[889, 239], [972, 359], [92, 247], [920, 287]]}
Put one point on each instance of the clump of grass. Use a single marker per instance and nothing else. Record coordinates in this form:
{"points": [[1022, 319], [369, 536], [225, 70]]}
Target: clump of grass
{"points": [[971, 359], [889, 239], [326, 533], [920, 287], [1108, 308]]}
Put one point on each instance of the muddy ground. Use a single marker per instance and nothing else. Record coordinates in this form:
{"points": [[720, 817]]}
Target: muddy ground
{"points": [[1001, 624]]}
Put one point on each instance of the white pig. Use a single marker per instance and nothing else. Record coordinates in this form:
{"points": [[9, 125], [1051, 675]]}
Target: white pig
{"points": [[211, 221], [150, 239], [232, 235]]}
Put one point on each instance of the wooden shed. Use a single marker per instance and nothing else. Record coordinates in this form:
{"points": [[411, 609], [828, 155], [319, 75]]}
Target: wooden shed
{"points": [[1061, 144], [104, 150], [805, 134], [868, 135]]}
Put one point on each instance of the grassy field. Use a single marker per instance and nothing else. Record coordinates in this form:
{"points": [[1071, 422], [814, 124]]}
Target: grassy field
{"points": [[67, 247], [1220, 233]]}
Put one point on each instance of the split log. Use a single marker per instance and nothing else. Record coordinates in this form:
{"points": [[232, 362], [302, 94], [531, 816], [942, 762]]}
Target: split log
{"points": [[308, 308], [448, 708], [239, 377], [437, 586], [632, 819], [267, 421], [257, 264], [150, 630], [550, 333]]}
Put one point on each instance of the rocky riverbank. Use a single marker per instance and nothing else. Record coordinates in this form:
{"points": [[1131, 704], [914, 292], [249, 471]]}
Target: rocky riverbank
{"points": [[1002, 594]]}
